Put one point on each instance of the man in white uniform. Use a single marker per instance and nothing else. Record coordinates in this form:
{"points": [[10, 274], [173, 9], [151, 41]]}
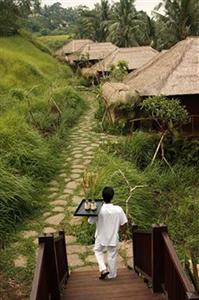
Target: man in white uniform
{"points": [[108, 223]]}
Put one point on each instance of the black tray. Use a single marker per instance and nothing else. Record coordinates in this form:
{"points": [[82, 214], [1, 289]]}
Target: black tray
{"points": [[81, 212]]}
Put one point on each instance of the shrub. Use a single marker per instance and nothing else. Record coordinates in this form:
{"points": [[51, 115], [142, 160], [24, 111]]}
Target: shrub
{"points": [[138, 148]]}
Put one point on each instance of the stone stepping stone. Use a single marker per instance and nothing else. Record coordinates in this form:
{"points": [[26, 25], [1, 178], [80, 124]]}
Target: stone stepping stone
{"points": [[63, 175], [75, 221], [58, 209], [70, 239], [56, 219], [59, 202], [76, 162], [76, 200], [63, 197], [78, 156], [52, 189], [79, 152], [87, 162], [91, 259], [72, 249], [75, 176], [46, 214], [29, 233], [21, 261], [88, 149], [77, 166], [53, 195], [89, 153], [48, 230], [72, 185], [71, 209], [53, 183], [74, 260], [68, 191]]}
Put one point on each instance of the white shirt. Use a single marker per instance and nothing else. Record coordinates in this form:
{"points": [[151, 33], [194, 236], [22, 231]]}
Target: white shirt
{"points": [[108, 222]]}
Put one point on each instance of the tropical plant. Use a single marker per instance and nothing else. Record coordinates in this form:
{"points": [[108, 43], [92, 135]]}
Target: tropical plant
{"points": [[121, 31], [180, 19], [169, 115]]}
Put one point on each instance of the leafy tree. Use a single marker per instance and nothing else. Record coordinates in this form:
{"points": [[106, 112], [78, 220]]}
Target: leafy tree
{"points": [[94, 23], [121, 31], [12, 12], [180, 19], [170, 116]]}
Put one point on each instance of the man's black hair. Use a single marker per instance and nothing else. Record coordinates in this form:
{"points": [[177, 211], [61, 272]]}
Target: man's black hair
{"points": [[107, 194]]}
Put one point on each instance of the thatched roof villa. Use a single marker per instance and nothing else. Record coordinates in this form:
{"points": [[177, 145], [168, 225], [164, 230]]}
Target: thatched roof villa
{"points": [[174, 73], [135, 58], [92, 52], [72, 46]]}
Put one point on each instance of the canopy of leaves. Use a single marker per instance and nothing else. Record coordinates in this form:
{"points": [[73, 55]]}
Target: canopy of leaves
{"points": [[169, 113], [179, 20]]}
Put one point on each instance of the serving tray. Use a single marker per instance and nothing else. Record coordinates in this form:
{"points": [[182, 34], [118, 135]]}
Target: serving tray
{"points": [[81, 212]]}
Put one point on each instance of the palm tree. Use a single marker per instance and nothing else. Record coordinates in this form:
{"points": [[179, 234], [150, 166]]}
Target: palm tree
{"points": [[180, 19], [121, 31], [94, 23]]}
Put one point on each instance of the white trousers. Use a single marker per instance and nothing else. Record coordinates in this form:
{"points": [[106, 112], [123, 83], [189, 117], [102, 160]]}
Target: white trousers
{"points": [[111, 258]]}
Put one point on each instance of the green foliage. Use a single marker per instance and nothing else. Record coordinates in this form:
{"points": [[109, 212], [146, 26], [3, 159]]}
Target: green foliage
{"points": [[85, 233], [54, 41], [37, 107], [29, 37], [182, 150], [138, 149], [23, 149], [11, 14], [16, 199], [119, 71], [169, 113], [180, 19]]}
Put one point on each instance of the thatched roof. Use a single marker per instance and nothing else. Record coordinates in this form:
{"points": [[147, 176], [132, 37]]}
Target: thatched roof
{"points": [[174, 72], [73, 46], [135, 58], [93, 51], [115, 93]]}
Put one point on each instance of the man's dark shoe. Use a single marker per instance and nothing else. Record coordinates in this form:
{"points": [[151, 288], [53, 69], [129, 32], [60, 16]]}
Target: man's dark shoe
{"points": [[103, 275]]}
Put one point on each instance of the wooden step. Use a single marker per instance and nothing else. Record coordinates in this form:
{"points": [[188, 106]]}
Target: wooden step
{"points": [[87, 286]]}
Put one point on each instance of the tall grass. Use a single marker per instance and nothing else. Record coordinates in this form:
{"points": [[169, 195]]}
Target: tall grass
{"points": [[54, 41], [37, 107]]}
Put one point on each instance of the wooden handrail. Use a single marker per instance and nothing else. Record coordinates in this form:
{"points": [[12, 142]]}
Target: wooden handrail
{"points": [[38, 272], [178, 267], [167, 273], [51, 271]]}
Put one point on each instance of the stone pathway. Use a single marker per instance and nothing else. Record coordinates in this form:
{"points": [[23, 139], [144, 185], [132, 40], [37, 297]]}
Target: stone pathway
{"points": [[65, 194]]}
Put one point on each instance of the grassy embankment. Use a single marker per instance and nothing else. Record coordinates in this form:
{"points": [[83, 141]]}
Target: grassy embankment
{"points": [[37, 106], [54, 41]]}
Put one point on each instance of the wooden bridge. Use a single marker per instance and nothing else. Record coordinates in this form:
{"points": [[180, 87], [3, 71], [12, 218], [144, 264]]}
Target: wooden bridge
{"points": [[157, 274]]}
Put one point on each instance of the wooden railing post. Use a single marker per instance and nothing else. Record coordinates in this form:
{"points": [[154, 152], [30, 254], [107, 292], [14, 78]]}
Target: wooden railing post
{"points": [[61, 233], [51, 264], [133, 228], [157, 257]]}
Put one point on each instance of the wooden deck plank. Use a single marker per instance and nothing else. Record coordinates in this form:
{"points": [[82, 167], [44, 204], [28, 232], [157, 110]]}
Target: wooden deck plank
{"points": [[86, 286]]}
